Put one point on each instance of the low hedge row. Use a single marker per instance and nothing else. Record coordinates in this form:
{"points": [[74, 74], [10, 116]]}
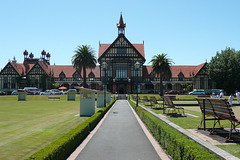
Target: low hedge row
{"points": [[64, 146], [177, 145]]}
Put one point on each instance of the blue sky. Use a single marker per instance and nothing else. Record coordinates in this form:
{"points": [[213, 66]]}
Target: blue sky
{"points": [[190, 32]]}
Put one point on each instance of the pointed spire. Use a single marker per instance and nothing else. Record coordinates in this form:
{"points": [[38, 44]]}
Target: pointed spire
{"points": [[121, 24]]}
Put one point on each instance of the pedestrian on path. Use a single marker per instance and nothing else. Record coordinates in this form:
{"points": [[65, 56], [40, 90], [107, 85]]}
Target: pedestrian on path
{"points": [[221, 94], [238, 96], [230, 99]]}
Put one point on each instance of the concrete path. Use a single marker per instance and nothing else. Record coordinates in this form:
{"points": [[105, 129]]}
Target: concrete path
{"points": [[119, 137]]}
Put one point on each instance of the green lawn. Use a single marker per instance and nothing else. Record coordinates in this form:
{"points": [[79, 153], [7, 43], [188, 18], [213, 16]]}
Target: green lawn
{"points": [[27, 126]]}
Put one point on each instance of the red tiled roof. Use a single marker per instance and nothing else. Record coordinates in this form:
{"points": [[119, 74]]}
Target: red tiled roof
{"points": [[104, 47], [96, 71], [140, 48], [176, 69], [199, 67], [69, 70], [18, 67], [147, 71], [186, 70], [45, 67]]}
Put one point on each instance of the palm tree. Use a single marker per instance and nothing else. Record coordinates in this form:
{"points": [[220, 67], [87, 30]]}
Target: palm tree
{"points": [[83, 59], [161, 67]]}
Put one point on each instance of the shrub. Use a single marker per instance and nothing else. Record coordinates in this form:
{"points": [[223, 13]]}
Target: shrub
{"points": [[177, 145]]}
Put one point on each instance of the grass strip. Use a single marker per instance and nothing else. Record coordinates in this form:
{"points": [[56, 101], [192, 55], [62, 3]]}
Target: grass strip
{"points": [[177, 145]]}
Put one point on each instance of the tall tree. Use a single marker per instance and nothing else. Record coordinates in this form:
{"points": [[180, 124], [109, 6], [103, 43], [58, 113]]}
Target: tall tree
{"points": [[84, 58], [224, 70], [161, 67]]}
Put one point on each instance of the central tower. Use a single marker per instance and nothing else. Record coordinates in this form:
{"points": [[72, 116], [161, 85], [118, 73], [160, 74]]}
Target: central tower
{"points": [[117, 62], [121, 26]]}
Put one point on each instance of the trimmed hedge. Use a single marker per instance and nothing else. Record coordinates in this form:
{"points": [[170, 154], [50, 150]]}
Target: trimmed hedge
{"points": [[62, 148], [177, 145]]}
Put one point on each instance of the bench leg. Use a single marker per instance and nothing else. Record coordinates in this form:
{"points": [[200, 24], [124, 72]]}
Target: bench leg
{"points": [[233, 127]]}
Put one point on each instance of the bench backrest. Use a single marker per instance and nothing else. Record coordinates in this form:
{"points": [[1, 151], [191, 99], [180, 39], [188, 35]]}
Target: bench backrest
{"points": [[217, 108], [171, 97], [53, 97], [134, 97], [153, 99], [208, 106], [168, 101], [222, 109], [145, 98]]}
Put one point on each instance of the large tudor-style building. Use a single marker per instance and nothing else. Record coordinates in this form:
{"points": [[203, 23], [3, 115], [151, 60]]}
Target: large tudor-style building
{"points": [[121, 75]]}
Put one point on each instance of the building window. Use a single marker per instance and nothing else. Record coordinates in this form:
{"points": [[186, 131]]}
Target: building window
{"points": [[121, 50], [180, 76], [5, 82], [76, 77], [62, 76], [201, 82], [209, 84], [13, 84], [9, 69], [91, 76], [33, 81], [121, 73]]}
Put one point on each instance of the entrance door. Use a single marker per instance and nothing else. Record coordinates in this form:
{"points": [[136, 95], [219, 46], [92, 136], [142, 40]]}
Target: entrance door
{"points": [[122, 89]]}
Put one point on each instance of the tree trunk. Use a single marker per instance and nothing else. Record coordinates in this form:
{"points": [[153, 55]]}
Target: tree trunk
{"points": [[84, 78], [161, 85]]}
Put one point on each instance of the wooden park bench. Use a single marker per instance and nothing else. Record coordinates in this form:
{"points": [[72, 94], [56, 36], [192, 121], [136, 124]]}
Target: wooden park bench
{"points": [[53, 98], [171, 97], [204, 96], [221, 110], [207, 113], [134, 97], [155, 103], [146, 101], [167, 101]]}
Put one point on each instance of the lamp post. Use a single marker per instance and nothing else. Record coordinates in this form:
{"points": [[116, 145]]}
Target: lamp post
{"points": [[104, 65], [129, 80], [137, 66]]}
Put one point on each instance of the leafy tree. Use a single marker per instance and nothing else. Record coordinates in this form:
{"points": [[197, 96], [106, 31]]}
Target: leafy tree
{"points": [[161, 67], [56, 85], [224, 69], [84, 58]]}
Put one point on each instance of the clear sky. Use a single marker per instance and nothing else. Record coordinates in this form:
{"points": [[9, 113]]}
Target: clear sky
{"points": [[189, 31]]}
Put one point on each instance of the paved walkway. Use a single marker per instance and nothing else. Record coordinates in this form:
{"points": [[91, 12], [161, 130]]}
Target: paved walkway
{"points": [[119, 137]]}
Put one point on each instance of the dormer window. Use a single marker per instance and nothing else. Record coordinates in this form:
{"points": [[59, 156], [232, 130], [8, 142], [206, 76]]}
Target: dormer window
{"points": [[151, 76], [62, 76], [180, 76], [91, 76], [76, 76]]}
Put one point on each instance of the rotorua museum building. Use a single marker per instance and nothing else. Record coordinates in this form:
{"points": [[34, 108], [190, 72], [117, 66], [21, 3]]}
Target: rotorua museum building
{"points": [[119, 59]]}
